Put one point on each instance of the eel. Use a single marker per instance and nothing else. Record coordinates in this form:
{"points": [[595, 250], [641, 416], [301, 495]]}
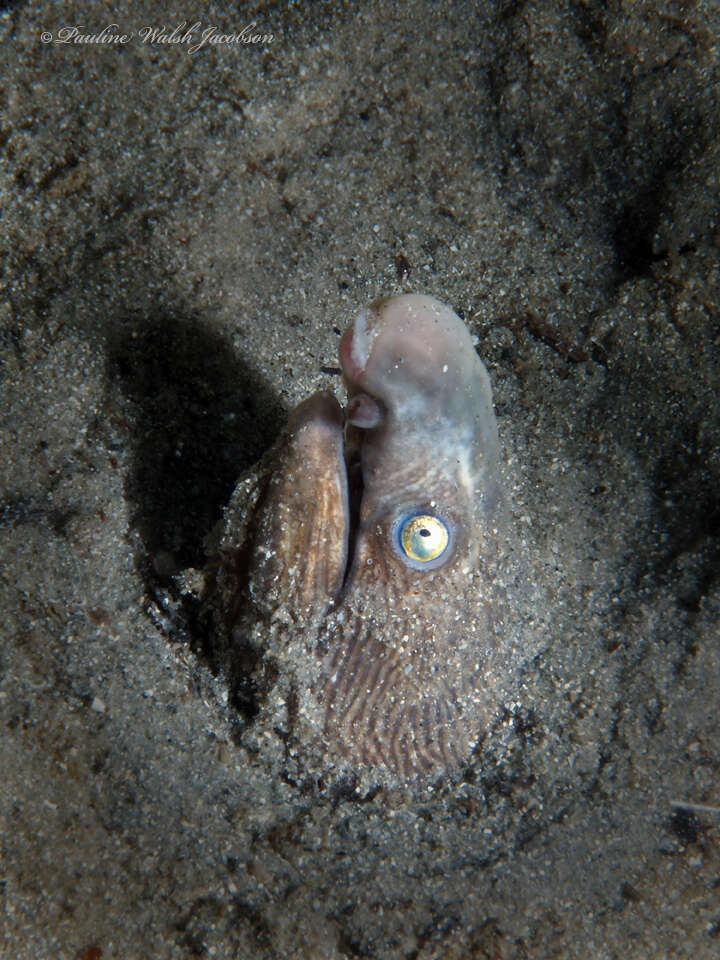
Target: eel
{"points": [[357, 592]]}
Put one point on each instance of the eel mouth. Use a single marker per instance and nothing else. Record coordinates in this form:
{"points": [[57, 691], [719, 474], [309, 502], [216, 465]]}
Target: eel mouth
{"points": [[355, 488], [363, 414]]}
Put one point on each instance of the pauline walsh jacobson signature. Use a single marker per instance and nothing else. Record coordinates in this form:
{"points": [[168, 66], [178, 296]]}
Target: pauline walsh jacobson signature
{"points": [[193, 37]]}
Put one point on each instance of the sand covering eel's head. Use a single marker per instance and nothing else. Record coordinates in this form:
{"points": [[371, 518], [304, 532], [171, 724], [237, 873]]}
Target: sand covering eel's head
{"points": [[357, 588]]}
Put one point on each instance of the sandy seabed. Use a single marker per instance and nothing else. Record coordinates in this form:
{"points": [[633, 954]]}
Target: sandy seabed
{"points": [[186, 232]]}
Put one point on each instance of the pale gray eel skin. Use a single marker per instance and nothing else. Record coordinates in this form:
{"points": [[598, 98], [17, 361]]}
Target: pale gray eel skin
{"points": [[358, 591]]}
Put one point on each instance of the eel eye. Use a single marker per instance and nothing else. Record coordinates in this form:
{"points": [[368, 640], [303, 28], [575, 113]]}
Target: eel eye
{"points": [[422, 539]]}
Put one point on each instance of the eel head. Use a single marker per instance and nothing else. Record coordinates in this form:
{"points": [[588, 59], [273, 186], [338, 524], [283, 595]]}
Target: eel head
{"points": [[358, 595]]}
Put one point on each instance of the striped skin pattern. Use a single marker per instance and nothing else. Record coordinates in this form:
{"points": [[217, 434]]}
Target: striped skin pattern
{"points": [[367, 658]]}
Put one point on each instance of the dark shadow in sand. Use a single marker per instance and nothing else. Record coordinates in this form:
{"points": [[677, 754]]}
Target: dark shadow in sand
{"points": [[203, 416]]}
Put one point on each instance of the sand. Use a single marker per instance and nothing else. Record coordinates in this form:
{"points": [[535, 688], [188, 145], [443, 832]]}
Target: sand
{"points": [[187, 228]]}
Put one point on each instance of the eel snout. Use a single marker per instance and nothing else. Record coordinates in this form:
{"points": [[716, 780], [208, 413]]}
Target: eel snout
{"points": [[420, 401]]}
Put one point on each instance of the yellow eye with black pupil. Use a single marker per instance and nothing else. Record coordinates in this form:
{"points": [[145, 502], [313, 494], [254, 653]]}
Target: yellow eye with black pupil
{"points": [[423, 538]]}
